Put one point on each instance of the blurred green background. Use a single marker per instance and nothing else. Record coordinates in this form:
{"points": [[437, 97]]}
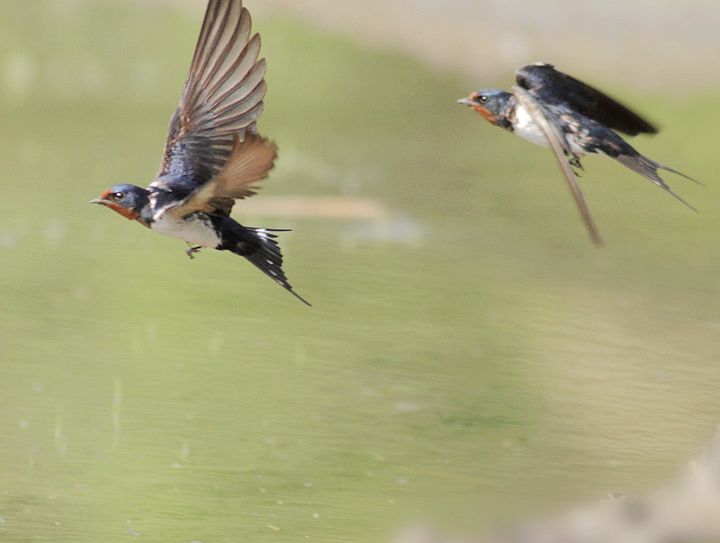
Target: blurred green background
{"points": [[469, 356]]}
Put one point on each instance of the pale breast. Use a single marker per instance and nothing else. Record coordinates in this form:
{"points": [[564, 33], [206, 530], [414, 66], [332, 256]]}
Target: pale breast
{"points": [[528, 129], [195, 229], [525, 127]]}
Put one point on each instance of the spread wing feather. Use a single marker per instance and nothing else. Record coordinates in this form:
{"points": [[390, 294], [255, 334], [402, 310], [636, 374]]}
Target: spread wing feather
{"points": [[551, 86], [251, 161], [561, 150], [220, 103]]}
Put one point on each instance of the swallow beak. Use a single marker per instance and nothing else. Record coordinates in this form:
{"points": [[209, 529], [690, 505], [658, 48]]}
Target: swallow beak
{"points": [[99, 201], [466, 102]]}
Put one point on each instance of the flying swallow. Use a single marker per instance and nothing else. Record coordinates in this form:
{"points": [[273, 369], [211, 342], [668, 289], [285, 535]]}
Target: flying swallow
{"points": [[213, 155], [550, 108]]}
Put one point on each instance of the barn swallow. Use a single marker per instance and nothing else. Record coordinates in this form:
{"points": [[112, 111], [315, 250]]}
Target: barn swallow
{"points": [[550, 108], [213, 155]]}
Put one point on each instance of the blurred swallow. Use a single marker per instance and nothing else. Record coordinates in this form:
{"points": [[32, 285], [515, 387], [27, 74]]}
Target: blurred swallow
{"points": [[550, 108], [213, 155]]}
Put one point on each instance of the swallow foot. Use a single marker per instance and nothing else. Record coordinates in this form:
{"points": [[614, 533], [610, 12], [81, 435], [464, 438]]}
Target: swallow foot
{"points": [[575, 163], [192, 251]]}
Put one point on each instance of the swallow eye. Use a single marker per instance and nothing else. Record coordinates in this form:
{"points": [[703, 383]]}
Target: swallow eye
{"points": [[482, 99], [118, 196]]}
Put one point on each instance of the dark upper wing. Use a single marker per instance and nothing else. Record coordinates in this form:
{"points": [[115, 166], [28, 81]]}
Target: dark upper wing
{"points": [[560, 148], [250, 161], [222, 98], [549, 85]]}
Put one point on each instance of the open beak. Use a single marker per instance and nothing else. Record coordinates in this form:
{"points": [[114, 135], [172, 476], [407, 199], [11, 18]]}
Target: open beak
{"points": [[466, 102]]}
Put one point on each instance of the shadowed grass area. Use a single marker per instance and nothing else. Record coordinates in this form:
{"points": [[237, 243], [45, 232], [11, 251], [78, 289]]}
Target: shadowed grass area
{"points": [[465, 355]]}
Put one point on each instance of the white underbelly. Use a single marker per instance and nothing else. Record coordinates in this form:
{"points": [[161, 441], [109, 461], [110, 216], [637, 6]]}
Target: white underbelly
{"points": [[529, 130], [194, 230]]}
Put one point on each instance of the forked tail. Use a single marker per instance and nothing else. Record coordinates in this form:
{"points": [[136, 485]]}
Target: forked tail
{"points": [[258, 245], [649, 169]]}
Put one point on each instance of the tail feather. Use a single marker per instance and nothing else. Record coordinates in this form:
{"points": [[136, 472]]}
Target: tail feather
{"points": [[258, 245], [669, 169], [649, 169]]}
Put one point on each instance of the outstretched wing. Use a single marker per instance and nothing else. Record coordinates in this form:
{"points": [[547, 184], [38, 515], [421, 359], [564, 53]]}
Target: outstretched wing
{"points": [[215, 122], [551, 86], [250, 162], [561, 149]]}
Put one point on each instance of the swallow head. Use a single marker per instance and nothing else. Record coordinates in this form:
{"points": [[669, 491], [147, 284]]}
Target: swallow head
{"points": [[491, 104], [127, 200]]}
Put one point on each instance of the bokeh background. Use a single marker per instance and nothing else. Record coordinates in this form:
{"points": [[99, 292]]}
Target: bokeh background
{"points": [[470, 357]]}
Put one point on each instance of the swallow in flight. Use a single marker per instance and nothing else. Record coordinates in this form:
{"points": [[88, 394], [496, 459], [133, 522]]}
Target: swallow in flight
{"points": [[213, 155], [552, 109]]}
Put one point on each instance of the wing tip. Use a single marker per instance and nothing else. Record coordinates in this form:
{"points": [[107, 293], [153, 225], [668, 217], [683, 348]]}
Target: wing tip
{"points": [[303, 300], [261, 64]]}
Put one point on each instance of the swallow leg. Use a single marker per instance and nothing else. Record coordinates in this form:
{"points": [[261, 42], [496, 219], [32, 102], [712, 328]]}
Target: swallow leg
{"points": [[192, 251], [577, 166], [573, 160]]}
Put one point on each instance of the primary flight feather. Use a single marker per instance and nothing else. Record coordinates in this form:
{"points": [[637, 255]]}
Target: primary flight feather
{"points": [[213, 154], [553, 109]]}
